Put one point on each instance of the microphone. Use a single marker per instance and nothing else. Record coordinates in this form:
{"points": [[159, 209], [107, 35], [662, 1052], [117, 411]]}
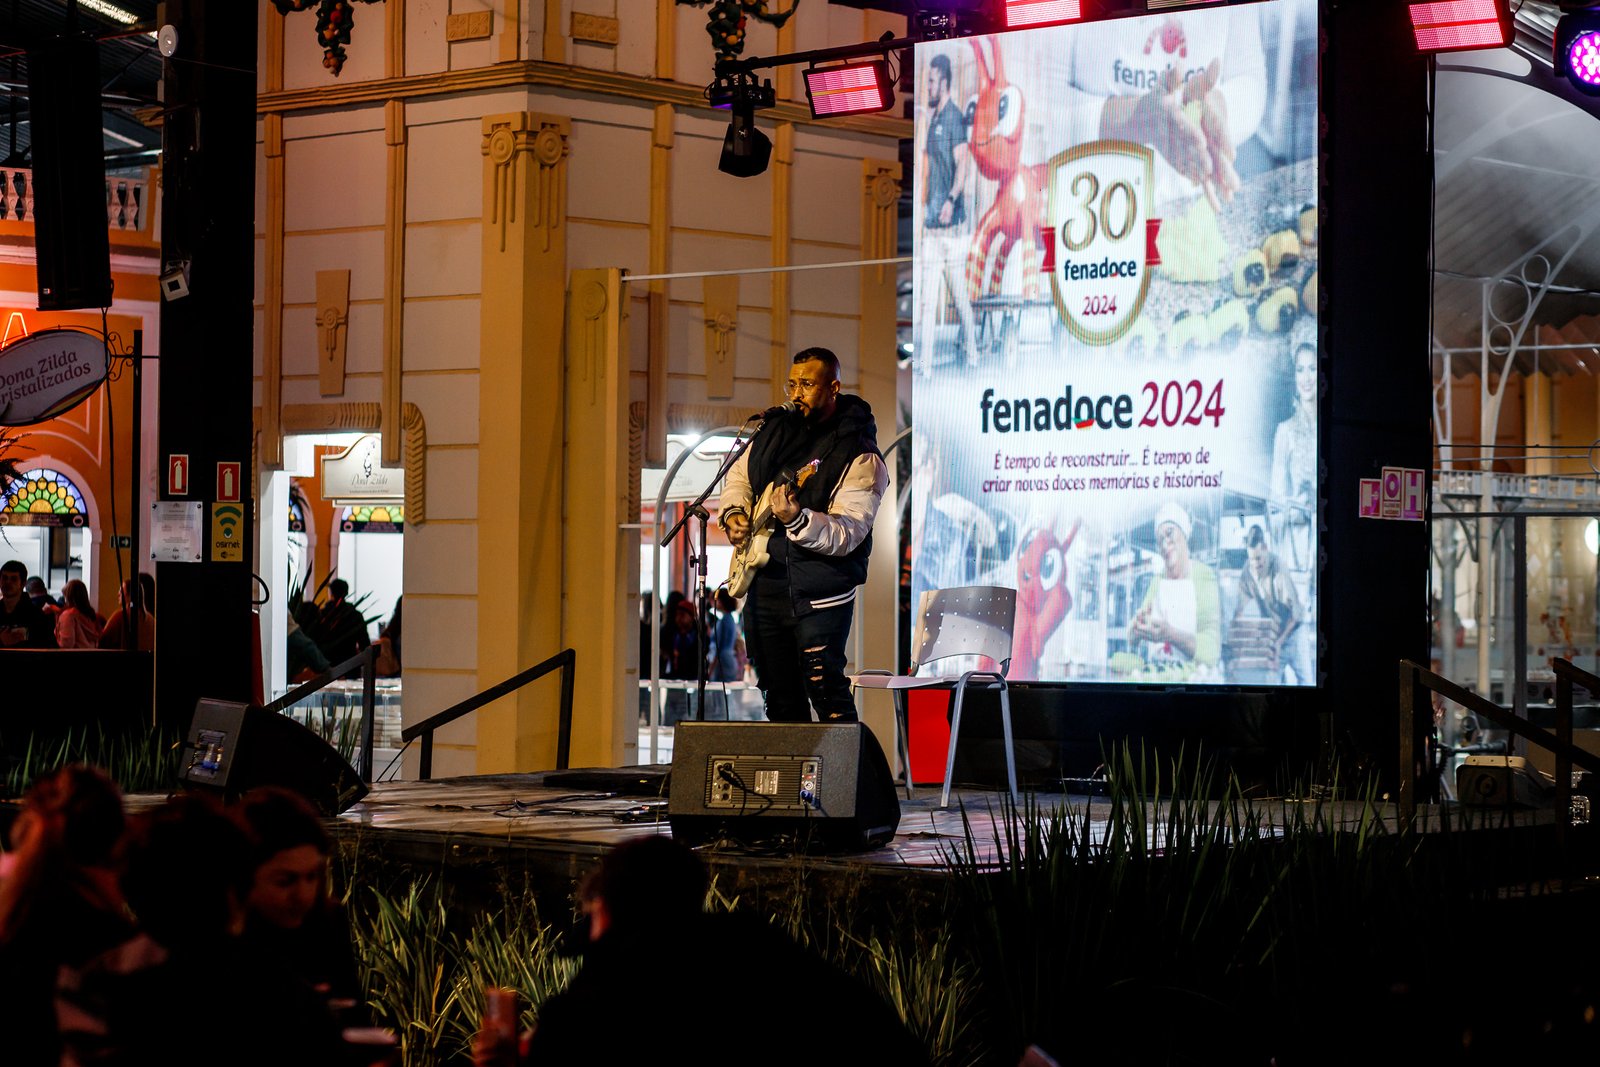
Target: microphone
{"points": [[788, 407]]}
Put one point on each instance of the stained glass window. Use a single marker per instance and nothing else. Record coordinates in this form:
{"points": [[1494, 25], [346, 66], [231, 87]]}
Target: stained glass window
{"points": [[374, 518], [44, 497], [297, 517]]}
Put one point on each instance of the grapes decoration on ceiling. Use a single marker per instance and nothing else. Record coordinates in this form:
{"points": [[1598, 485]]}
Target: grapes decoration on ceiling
{"points": [[725, 21], [334, 20]]}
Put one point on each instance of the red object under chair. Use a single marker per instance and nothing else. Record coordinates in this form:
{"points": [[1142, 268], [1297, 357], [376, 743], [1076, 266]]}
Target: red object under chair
{"points": [[928, 727]]}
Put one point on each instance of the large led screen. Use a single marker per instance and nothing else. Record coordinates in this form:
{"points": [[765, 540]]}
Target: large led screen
{"points": [[1115, 344]]}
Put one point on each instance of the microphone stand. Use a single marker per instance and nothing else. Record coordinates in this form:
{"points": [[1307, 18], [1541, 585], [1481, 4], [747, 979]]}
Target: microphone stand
{"points": [[697, 510]]}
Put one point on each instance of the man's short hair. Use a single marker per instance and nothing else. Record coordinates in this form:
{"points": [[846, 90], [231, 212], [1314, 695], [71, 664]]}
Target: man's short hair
{"points": [[819, 355], [15, 566], [648, 880], [942, 65], [338, 588]]}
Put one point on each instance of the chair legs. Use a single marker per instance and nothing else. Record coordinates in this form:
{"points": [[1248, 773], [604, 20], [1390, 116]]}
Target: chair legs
{"points": [[903, 729], [1011, 749], [955, 734]]}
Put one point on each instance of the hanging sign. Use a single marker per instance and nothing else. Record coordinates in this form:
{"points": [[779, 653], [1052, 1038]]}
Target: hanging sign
{"points": [[357, 476], [48, 373]]}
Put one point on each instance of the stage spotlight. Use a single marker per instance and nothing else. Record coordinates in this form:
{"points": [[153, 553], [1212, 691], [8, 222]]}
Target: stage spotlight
{"points": [[1020, 13], [1578, 49], [745, 149], [1461, 25], [850, 89]]}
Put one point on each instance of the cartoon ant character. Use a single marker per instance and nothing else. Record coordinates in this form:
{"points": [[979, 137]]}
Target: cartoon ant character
{"points": [[1018, 209], [1170, 34], [1043, 598]]}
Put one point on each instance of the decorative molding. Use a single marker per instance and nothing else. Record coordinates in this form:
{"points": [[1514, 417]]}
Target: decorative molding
{"points": [[666, 38], [595, 29], [511, 32], [880, 198], [540, 74], [782, 281], [272, 52], [721, 304], [415, 432], [555, 45], [394, 275], [367, 417], [394, 60], [657, 323], [588, 341], [333, 329], [272, 292], [469, 26], [537, 140], [785, 74], [638, 413]]}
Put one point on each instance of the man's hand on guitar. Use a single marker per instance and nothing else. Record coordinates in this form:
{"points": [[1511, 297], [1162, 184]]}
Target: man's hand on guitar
{"points": [[737, 527], [783, 503]]}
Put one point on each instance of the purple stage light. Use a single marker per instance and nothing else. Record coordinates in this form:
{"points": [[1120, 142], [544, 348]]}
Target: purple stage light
{"points": [[1583, 58]]}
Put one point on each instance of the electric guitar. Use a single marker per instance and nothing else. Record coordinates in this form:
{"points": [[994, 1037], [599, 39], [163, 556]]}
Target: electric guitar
{"points": [[751, 556]]}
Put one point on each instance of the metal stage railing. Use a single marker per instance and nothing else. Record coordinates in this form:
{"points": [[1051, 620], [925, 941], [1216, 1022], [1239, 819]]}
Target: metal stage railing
{"points": [[366, 659], [566, 659], [1416, 719]]}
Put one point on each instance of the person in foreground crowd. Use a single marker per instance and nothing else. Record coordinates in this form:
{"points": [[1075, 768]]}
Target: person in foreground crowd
{"points": [[188, 989], [754, 987], [828, 479], [289, 916], [60, 902]]}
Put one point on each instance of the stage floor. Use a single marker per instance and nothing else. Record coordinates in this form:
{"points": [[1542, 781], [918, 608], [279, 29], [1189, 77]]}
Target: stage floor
{"points": [[460, 819]]}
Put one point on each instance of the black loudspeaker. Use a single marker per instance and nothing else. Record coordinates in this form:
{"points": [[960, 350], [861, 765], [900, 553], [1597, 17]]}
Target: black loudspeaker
{"points": [[236, 747], [813, 786], [72, 248]]}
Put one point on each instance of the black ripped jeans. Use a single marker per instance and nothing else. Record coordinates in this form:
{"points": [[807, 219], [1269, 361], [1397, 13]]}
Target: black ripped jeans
{"points": [[799, 661]]}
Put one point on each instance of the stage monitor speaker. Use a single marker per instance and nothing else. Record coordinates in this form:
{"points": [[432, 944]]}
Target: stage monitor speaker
{"points": [[72, 249], [236, 747], [813, 786], [1502, 781]]}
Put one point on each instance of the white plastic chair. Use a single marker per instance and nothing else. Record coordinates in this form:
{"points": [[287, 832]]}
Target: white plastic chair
{"points": [[972, 620]]}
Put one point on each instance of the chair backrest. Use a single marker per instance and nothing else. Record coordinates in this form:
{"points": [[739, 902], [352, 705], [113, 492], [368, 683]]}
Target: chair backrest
{"points": [[970, 620]]}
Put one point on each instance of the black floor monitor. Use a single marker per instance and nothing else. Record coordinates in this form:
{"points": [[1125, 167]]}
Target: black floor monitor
{"points": [[236, 747], [808, 786]]}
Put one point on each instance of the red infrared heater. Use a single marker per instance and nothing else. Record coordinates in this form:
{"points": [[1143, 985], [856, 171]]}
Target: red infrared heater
{"points": [[1020, 13], [1461, 25], [851, 89]]}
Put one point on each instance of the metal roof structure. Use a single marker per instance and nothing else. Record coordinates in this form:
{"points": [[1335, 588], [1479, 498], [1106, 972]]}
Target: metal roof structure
{"points": [[1517, 169], [130, 71]]}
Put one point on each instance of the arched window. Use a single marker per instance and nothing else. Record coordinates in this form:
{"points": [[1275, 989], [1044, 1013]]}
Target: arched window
{"points": [[297, 517], [373, 518], [43, 497]]}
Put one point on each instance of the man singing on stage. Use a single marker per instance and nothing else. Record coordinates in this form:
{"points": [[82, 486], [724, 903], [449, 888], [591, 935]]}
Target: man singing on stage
{"points": [[829, 479]]}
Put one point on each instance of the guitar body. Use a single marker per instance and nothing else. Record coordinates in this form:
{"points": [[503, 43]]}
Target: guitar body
{"points": [[752, 555]]}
